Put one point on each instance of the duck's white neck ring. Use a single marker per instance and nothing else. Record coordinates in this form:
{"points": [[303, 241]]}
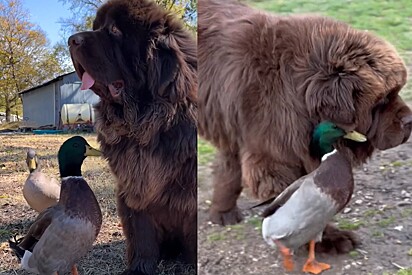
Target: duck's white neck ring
{"points": [[325, 156]]}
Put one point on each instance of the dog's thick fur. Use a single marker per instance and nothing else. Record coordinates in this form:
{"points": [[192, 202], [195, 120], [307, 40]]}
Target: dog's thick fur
{"points": [[146, 124], [265, 81]]}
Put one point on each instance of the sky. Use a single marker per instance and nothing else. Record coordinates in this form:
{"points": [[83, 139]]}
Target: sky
{"points": [[47, 14]]}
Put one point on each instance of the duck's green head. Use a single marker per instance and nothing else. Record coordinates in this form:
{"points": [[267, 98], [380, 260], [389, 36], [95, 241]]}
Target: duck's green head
{"points": [[31, 160], [72, 154], [326, 134]]}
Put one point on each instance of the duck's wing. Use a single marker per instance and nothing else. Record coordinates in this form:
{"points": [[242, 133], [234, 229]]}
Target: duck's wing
{"points": [[37, 229], [284, 196], [268, 201], [40, 191], [67, 239], [54, 189]]}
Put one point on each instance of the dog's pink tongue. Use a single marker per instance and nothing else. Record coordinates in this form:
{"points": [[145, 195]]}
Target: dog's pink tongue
{"points": [[87, 81]]}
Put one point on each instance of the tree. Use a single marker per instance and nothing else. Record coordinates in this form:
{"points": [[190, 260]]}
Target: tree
{"points": [[84, 12], [62, 54], [25, 59]]}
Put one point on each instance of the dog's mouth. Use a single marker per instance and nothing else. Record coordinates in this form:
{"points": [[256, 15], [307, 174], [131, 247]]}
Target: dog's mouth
{"points": [[115, 88]]}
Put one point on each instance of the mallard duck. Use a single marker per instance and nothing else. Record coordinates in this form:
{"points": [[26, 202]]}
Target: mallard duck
{"points": [[65, 232], [39, 190], [301, 212]]}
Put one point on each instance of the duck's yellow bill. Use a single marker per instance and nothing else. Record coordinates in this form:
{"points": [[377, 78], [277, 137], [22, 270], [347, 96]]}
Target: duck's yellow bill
{"points": [[90, 151], [356, 136], [31, 163]]}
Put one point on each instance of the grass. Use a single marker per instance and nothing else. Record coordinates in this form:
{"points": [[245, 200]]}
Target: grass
{"points": [[397, 163], [10, 125], [4, 233], [386, 221], [406, 213], [256, 222], [372, 212], [407, 271], [216, 236], [349, 225], [390, 20], [238, 230], [378, 234], [205, 151]]}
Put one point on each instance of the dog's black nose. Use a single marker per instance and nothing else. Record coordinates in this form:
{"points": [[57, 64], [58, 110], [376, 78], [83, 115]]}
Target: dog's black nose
{"points": [[76, 39]]}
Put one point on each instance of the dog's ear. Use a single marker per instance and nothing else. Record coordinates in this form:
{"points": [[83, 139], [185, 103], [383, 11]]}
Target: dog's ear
{"points": [[332, 99], [162, 68]]}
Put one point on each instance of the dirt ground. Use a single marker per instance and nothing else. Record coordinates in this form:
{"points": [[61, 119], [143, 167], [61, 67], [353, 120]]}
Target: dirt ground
{"points": [[380, 212], [107, 256]]}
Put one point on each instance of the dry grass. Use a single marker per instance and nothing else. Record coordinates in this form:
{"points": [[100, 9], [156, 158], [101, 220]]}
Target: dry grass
{"points": [[107, 256]]}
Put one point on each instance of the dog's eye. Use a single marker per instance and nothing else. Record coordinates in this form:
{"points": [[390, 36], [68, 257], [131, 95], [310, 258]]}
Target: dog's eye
{"points": [[383, 101], [115, 30]]}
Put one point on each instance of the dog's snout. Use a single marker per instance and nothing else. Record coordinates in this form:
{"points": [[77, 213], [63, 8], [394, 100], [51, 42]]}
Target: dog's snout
{"points": [[76, 39]]}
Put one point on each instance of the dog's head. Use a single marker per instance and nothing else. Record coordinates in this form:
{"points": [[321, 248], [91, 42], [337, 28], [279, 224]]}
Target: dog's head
{"points": [[354, 80], [141, 61], [134, 53]]}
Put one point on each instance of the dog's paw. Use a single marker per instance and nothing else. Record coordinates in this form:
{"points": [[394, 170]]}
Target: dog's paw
{"points": [[132, 272], [141, 266], [232, 216], [336, 241], [136, 272]]}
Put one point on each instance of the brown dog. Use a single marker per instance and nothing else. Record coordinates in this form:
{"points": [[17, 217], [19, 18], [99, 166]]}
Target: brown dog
{"points": [[142, 63], [265, 81]]}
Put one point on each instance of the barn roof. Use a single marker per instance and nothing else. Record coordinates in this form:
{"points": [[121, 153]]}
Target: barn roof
{"points": [[46, 83]]}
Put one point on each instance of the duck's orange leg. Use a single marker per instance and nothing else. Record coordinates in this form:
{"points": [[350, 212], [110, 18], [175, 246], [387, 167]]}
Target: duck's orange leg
{"points": [[311, 265], [287, 256], [74, 270]]}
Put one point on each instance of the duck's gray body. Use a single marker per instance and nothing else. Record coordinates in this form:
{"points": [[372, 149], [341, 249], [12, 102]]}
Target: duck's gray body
{"points": [[301, 219], [303, 210], [41, 191]]}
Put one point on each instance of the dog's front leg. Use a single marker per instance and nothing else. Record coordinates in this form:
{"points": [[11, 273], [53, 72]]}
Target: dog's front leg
{"points": [[142, 244]]}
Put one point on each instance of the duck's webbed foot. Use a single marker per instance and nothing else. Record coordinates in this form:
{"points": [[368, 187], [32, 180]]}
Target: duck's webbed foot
{"points": [[311, 265], [287, 256], [74, 270]]}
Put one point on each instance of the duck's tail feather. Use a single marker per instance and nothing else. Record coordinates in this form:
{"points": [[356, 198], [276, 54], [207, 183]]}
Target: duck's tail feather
{"points": [[262, 203], [25, 263]]}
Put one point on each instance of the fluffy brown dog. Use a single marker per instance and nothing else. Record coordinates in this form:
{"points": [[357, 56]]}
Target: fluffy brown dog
{"points": [[265, 81], [142, 63]]}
